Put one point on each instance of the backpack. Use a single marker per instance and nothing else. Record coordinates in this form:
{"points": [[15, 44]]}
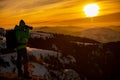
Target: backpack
{"points": [[11, 41]]}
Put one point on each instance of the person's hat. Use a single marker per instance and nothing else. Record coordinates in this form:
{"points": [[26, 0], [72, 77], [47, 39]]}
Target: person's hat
{"points": [[21, 22]]}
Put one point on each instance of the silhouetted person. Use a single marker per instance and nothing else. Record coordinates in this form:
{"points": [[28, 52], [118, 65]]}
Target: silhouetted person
{"points": [[22, 35]]}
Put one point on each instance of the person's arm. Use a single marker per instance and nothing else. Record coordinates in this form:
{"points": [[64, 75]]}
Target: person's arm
{"points": [[27, 33], [24, 35]]}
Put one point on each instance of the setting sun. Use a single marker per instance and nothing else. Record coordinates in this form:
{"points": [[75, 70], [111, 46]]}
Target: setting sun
{"points": [[39, 13], [91, 10]]}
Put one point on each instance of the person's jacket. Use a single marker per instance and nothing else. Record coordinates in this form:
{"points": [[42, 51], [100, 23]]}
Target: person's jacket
{"points": [[22, 36]]}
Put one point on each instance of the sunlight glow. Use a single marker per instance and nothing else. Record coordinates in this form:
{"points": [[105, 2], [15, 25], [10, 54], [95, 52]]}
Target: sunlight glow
{"points": [[91, 10]]}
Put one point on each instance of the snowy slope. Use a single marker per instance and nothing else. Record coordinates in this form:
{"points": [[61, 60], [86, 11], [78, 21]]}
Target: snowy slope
{"points": [[36, 68], [2, 39], [41, 62], [101, 34], [41, 35], [2, 42]]}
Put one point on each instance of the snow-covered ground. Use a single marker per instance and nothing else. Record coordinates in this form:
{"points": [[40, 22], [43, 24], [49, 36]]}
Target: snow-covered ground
{"points": [[41, 35], [2, 42], [36, 68], [39, 62]]}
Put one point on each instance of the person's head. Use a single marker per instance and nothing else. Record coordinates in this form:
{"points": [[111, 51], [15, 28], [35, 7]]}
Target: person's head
{"points": [[21, 23]]}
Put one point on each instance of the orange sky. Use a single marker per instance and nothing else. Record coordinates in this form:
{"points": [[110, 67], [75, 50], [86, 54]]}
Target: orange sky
{"points": [[57, 12]]}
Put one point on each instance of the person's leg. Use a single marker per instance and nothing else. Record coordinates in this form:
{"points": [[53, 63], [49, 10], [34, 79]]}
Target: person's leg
{"points": [[25, 63], [19, 64]]}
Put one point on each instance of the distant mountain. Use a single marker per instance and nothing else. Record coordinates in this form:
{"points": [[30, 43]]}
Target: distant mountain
{"points": [[68, 30], [103, 35]]}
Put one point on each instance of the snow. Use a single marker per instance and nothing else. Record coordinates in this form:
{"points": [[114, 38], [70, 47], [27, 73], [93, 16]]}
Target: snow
{"points": [[2, 42], [43, 53], [2, 39], [67, 59], [2, 31], [10, 66], [36, 68], [69, 74], [39, 53], [41, 35], [54, 47], [39, 69]]}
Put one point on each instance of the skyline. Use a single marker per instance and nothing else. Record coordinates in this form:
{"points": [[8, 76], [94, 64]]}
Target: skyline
{"points": [[57, 13]]}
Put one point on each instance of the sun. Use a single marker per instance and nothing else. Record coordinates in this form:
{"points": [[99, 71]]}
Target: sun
{"points": [[91, 10]]}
